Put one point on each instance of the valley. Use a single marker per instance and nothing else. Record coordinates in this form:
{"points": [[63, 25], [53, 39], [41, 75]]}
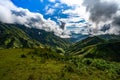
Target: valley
{"points": [[24, 56]]}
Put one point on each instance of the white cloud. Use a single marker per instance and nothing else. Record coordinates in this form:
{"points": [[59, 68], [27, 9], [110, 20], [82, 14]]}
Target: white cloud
{"points": [[71, 19], [74, 25], [52, 0], [76, 13], [50, 11], [56, 5], [75, 16], [41, 0], [47, 7], [72, 2], [5, 15], [77, 9], [11, 14]]}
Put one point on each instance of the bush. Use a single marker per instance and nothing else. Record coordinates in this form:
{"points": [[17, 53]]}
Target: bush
{"points": [[87, 61], [69, 68], [31, 77], [23, 56], [47, 54], [100, 64]]}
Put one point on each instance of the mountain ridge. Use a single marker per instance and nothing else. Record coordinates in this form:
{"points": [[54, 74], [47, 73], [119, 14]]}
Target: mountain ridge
{"points": [[96, 47], [35, 37]]}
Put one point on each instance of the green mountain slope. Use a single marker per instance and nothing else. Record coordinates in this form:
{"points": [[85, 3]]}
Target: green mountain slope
{"points": [[106, 51], [13, 37], [46, 38], [86, 42], [92, 58], [95, 47], [110, 37]]}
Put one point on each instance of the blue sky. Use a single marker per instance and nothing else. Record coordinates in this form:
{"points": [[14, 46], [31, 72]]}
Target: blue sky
{"points": [[53, 9], [70, 12], [43, 7]]}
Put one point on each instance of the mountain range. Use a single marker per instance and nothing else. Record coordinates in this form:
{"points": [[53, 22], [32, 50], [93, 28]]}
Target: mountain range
{"points": [[20, 36], [97, 47], [17, 36], [34, 54]]}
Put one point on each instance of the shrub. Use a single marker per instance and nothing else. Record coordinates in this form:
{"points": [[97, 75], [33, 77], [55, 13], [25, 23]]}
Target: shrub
{"points": [[69, 68], [31, 77], [87, 61], [23, 56], [47, 54], [100, 64]]}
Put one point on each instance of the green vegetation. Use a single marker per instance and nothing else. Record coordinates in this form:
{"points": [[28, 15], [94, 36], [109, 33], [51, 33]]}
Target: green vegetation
{"points": [[107, 51], [45, 64], [95, 47], [13, 37], [84, 43], [23, 64], [46, 38], [19, 36], [33, 54]]}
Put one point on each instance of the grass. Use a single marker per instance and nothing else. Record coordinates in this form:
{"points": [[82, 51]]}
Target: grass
{"points": [[31, 64], [15, 67], [20, 64]]}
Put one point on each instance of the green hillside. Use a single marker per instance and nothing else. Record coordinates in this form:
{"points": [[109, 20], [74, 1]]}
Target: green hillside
{"points": [[95, 47], [107, 51], [110, 37], [13, 37], [16, 36], [45, 64], [46, 38], [34, 54], [84, 43]]}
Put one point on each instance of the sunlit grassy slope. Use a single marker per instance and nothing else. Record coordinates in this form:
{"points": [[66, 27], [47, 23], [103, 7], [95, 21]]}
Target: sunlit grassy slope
{"points": [[45, 64], [19, 64]]}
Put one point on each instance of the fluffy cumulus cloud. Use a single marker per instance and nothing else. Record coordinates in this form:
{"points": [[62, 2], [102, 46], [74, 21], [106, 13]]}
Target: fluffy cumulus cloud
{"points": [[95, 16], [77, 19], [12, 14], [72, 2], [50, 11], [104, 15]]}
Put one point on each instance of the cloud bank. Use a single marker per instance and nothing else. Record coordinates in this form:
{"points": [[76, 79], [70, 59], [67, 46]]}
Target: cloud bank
{"points": [[94, 17], [90, 17], [77, 20], [9, 13], [103, 12]]}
